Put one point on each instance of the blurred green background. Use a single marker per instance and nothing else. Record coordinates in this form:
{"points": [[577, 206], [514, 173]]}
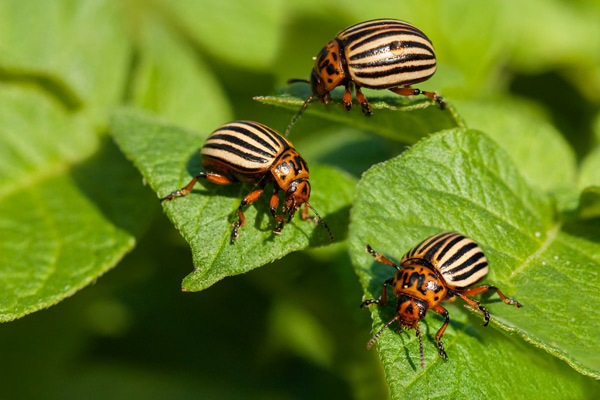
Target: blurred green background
{"points": [[291, 329]]}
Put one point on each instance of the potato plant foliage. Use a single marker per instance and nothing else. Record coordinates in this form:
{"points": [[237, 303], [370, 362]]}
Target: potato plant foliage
{"points": [[104, 105]]}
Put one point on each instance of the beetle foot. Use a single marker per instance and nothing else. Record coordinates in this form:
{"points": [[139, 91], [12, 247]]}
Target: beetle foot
{"points": [[442, 351], [366, 108], [486, 315], [369, 302], [171, 196], [234, 232]]}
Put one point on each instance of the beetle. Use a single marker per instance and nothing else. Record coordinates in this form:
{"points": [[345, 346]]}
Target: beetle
{"points": [[440, 267], [248, 151], [377, 54]]}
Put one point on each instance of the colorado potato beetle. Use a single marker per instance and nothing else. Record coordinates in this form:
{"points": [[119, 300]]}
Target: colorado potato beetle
{"points": [[438, 268], [376, 54], [247, 151]]}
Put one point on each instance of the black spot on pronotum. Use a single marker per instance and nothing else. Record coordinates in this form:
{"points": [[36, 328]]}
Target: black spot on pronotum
{"points": [[329, 80], [331, 70], [304, 190], [334, 56], [409, 308]]}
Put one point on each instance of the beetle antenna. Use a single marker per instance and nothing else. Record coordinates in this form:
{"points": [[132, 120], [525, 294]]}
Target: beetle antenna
{"points": [[374, 339], [420, 346], [294, 80], [287, 130], [321, 221]]}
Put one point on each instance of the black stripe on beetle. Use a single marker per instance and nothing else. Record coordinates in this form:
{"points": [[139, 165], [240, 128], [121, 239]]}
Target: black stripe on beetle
{"points": [[393, 61], [384, 34], [378, 40], [430, 286], [393, 71], [242, 143], [254, 153], [254, 137]]}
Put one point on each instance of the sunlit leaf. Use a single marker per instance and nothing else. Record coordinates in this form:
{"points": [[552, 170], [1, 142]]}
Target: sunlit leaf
{"points": [[462, 181], [70, 205], [168, 157], [393, 116]]}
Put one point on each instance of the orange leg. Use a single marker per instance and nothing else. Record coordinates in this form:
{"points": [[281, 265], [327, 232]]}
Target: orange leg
{"points": [[273, 207], [249, 199], [347, 98], [475, 304], [485, 288], [366, 107], [407, 91], [306, 217], [438, 336], [381, 258], [383, 299], [274, 202], [209, 176], [326, 98]]}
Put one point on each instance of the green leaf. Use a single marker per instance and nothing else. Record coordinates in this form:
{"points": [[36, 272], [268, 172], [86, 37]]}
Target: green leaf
{"points": [[75, 46], [244, 33], [395, 117], [179, 87], [531, 141], [483, 38], [70, 206], [168, 157], [462, 181], [483, 363], [589, 203], [589, 173]]}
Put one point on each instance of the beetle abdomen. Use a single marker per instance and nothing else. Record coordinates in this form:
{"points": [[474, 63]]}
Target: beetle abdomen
{"points": [[458, 258], [245, 147], [387, 53]]}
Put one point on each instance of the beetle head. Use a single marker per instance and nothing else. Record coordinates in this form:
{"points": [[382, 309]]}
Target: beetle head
{"points": [[317, 84], [297, 194], [410, 311]]}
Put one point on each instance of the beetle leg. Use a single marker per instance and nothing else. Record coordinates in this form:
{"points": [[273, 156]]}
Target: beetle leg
{"points": [[306, 217], [279, 226], [438, 336], [407, 91], [366, 107], [381, 258], [485, 288], [475, 304], [383, 299], [249, 199], [274, 202], [348, 98], [283, 220], [209, 176], [273, 207]]}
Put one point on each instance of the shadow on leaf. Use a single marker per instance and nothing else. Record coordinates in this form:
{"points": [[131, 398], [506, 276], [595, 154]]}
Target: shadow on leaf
{"points": [[109, 181]]}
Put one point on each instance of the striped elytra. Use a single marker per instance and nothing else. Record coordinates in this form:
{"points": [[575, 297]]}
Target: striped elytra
{"points": [[387, 53], [440, 267], [384, 54], [457, 258], [243, 149], [247, 151]]}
